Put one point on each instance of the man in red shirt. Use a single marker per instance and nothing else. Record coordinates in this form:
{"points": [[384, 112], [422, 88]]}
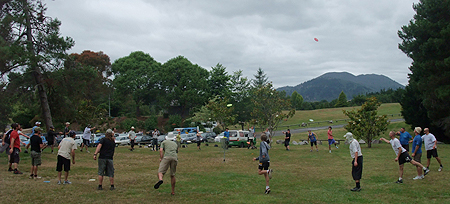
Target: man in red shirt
{"points": [[331, 139], [15, 147]]}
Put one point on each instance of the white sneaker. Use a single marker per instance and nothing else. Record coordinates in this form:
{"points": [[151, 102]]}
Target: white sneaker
{"points": [[440, 168], [330, 151], [337, 147], [417, 177]]}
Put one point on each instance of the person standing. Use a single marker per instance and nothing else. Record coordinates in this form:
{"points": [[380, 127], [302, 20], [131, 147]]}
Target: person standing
{"points": [[35, 153], [6, 146], [106, 147], [312, 139], [264, 161], [417, 150], [251, 137], [269, 137], [178, 139], [132, 136], [37, 124], [226, 135], [331, 139], [51, 137], [86, 137], [66, 129], [168, 158], [199, 140], [155, 134], [287, 139], [66, 151], [15, 148], [405, 138], [402, 156], [357, 162], [431, 147]]}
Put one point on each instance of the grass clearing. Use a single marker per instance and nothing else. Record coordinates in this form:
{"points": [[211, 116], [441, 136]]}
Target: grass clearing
{"points": [[202, 177]]}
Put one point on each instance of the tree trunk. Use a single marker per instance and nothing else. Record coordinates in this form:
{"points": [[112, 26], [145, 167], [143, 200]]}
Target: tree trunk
{"points": [[369, 143], [36, 71]]}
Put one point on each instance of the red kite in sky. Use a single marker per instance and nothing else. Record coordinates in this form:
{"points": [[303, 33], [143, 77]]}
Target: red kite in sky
{"points": [[317, 40]]}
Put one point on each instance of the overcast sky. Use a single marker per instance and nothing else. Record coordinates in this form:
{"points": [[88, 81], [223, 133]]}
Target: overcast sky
{"points": [[357, 36]]}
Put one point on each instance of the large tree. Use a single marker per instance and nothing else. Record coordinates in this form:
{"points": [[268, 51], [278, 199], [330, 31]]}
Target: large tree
{"points": [[342, 100], [296, 100], [426, 40], [260, 80], [365, 123], [219, 81], [31, 41]]}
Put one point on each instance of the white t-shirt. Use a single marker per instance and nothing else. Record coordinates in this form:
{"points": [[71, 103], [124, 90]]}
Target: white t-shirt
{"points": [[395, 143], [429, 141], [132, 135], [66, 147], [87, 133], [355, 147]]}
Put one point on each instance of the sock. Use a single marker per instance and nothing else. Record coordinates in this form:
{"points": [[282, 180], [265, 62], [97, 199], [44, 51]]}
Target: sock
{"points": [[427, 167], [424, 168], [441, 165], [358, 185], [267, 187], [399, 178]]}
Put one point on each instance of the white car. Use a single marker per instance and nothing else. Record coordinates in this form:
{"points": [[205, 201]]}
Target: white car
{"points": [[122, 139], [78, 139], [218, 137]]}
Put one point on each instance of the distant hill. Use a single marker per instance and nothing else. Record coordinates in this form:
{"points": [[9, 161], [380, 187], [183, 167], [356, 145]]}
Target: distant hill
{"points": [[329, 86]]}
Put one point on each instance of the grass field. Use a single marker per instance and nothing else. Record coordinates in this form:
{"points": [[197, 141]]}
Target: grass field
{"points": [[202, 177]]}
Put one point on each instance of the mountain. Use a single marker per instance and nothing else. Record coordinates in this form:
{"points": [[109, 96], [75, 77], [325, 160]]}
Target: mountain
{"points": [[329, 86]]}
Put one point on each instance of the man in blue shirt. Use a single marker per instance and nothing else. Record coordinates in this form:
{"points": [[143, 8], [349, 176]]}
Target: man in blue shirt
{"points": [[405, 138], [417, 150]]}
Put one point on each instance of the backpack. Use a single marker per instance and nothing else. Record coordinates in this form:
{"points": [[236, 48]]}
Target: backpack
{"points": [[7, 139]]}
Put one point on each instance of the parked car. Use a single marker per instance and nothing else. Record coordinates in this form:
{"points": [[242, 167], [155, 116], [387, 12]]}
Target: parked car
{"points": [[238, 138], [188, 138], [208, 136], [218, 137], [96, 140], [145, 139], [122, 139], [78, 139]]}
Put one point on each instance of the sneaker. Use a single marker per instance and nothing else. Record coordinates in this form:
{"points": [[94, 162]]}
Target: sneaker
{"points": [[426, 171], [31, 176], [399, 181], [112, 188], [88, 151], [337, 147], [67, 182], [418, 177], [440, 168], [270, 173], [355, 189], [158, 184], [99, 188], [81, 150], [267, 191], [330, 151], [10, 169], [317, 150], [59, 182], [37, 177], [17, 172]]}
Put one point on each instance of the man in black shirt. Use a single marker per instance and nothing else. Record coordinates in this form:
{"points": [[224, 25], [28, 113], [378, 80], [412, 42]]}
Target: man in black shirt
{"points": [[51, 136], [36, 146], [287, 139], [106, 149], [66, 129]]}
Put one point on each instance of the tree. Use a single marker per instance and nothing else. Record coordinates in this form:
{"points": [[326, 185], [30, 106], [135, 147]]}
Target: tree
{"points": [[219, 81], [342, 100], [296, 100], [269, 107], [260, 79], [136, 75], [221, 112], [32, 40], [241, 97], [364, 123], [426, 41]]}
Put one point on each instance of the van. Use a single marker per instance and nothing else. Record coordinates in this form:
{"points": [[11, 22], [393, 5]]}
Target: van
{"points": [[239, 138]]}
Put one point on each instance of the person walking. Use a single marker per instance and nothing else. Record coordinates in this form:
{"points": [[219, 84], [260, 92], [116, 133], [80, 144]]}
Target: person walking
{"points": [[132, 136], [417, 150], [106, 147], [264, 161], [331, 139], [287, 139], [66, 151], [402, 156], [312, 139], [86, 137], [431, 147], [405, 138], [15, 148], [357, 162], [168, 158], [35, 152]]}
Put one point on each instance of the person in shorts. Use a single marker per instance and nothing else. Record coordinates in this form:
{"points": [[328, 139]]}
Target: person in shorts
{"points": [[66, 130], [15, 148], [431, 146], [264, 161], [405, 138], [287, 139], [66, 152], [86, 137], [35, 152], [402, 156], [199, 140], [331, 139], [51, 137], [168, 153], [312, 139], [106, 147], [357, 162], [417, 150]]}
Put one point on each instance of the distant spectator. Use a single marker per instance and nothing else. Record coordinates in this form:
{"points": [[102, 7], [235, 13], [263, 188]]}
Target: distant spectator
{"points": [[199, 140], [132, 136], [287, 139], [86, 137], [51, 137], [155, 135], [66, 129], [331, 139]]}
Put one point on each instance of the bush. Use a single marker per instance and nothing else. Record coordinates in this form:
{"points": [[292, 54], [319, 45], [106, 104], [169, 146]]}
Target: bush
{"points": [[151, 123], [128, 123], [173, 122]]}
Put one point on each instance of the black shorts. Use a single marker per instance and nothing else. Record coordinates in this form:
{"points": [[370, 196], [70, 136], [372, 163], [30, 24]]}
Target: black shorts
{"points": [[50, 142], [404, 157], [264, 165], [286, 143], [62, 162], [313, 143], [86, 142], [14, 157], [199, 143], [432, 152], [406, 146], [357, 170]]}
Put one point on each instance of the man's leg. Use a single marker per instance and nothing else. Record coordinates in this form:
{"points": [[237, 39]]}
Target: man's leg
{"points": [[66, 175], [172, 182], [428, 162], [439, 160], [400, 172], [100, 180], [59, 176], [111, 181]]}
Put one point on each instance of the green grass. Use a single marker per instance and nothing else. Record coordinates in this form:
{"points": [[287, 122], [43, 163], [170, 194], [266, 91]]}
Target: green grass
{"points": [[202, 177]]}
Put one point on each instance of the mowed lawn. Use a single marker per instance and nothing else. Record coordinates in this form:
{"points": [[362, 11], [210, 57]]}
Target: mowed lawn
{"points": [[300, 176]]}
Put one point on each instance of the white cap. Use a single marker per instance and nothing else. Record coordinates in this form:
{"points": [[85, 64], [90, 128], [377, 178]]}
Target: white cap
{"points": [[349, 136], [132, 127], [170, 136], [38, 123]]}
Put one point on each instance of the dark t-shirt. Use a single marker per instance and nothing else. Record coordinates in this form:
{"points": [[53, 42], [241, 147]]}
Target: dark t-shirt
{"points": [[51, 135], [288, 136], [66, 131], [107, 150], [35, 143]]}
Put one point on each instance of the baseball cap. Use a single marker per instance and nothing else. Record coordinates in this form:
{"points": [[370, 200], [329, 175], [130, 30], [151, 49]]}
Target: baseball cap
{"points": [[38, 123], [38, 129]]}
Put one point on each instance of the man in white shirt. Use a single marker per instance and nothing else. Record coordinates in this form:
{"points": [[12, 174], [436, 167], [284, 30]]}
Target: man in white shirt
{"points": [[86, 137], [430, 145], [357, 162], [132, 136], [66, 151], [402, 156]]}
